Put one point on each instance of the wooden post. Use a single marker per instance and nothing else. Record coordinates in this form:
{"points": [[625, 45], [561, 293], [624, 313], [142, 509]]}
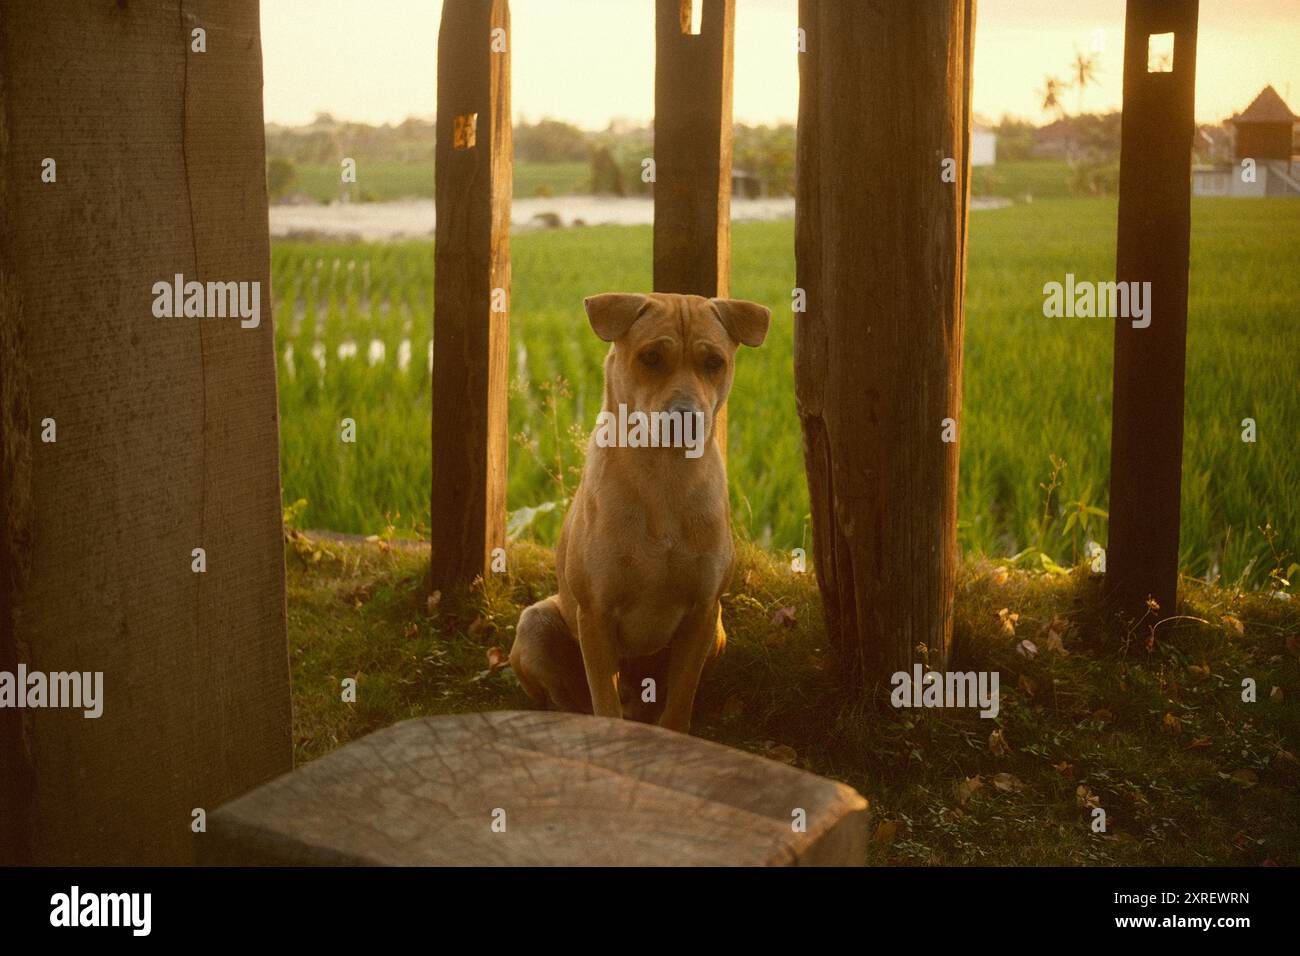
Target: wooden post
{"points": [[1153, 247], [471, 290], [880, 251], [130, 438], [692, 191]]}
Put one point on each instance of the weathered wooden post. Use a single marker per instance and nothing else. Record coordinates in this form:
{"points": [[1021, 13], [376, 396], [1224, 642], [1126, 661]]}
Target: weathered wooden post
{"points": [[141, 547], [692, 192], [880, 250], [471, 290], [1146, 447]]}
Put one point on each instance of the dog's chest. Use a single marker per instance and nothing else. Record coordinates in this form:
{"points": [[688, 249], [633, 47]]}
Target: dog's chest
{"points": [[663, 580]]}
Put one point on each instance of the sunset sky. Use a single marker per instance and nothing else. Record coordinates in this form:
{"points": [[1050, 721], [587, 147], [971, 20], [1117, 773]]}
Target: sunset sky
{"points": [[587, 61]]}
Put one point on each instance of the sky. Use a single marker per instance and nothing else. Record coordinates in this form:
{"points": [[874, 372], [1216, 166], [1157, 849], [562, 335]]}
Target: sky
{"points": [[590, 61]]}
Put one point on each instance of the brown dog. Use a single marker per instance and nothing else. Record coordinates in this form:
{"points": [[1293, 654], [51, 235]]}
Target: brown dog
{"points": [[646, 551]]}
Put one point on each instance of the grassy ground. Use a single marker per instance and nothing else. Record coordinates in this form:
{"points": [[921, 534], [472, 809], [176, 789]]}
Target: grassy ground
{"points": [[1036, 390], [1145, 721]]}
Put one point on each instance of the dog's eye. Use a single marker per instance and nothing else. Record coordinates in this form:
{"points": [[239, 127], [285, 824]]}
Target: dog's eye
{"points": [[651, 359], [713, 363]]}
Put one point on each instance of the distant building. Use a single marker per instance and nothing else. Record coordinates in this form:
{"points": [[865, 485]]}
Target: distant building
{"points": [[983, 144], [1264, 154]]}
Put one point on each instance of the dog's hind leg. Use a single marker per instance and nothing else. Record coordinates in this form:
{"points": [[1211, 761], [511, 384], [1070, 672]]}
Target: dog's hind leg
{"points": [[546, 659]]}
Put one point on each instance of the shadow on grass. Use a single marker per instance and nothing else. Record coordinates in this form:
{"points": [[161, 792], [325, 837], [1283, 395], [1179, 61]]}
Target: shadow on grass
{"points": [[1144, 721]]}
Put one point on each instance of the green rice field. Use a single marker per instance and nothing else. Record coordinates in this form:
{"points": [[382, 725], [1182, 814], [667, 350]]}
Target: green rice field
{"points": [[354, 322]]}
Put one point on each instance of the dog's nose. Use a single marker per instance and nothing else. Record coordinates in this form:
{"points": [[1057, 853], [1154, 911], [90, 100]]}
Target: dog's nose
{"points": [[682, 405]]}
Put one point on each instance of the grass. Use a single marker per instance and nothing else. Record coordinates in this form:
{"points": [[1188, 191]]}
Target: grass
{"points": [[1146, 722], [1025, 180], [381, 181], [1036, 390]]}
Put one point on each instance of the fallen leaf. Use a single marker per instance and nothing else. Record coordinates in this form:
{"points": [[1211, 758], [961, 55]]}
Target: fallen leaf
{"points": [[1008, 619], [1234, 623], [784, 617], [1276, 696], [1200, 743], [1244, 776], [998, 745], [885, 832], [1103, 716], [1241, 840], [783, 753], [1064, 769], [1085, 797], [1006, 782], [999, 576], [1172, 724], [964, 789]]}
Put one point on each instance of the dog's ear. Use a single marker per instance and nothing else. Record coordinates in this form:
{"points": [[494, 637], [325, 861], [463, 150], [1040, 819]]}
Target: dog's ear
{"points": [[613, 313], [746, 322]]}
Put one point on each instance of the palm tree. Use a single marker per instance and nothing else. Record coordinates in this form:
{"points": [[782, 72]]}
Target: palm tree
{"points": [[1084, 70], [1053, 89]]}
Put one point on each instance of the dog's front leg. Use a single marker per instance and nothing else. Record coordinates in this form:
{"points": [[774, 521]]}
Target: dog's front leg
{"points": [[596, 638], [696, 637]]}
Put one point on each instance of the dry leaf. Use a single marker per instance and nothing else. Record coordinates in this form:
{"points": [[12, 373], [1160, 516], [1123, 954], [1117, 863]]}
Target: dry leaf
{"points": [[963, 790], [783, 753], [784, 617], [1065, 769], [1006, 782], [998, 745], [1008, 619], [1276, 696], [1172, 724], [1200, 743], [885, 832], [1244, 776], [1000, 576], [1085, 797], [1234, 623]]}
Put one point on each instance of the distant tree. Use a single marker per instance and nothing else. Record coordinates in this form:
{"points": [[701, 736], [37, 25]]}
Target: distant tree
{"points": [[606, 177], [281, 175], [550, 141], [1053, 89], [1083, 73]]}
